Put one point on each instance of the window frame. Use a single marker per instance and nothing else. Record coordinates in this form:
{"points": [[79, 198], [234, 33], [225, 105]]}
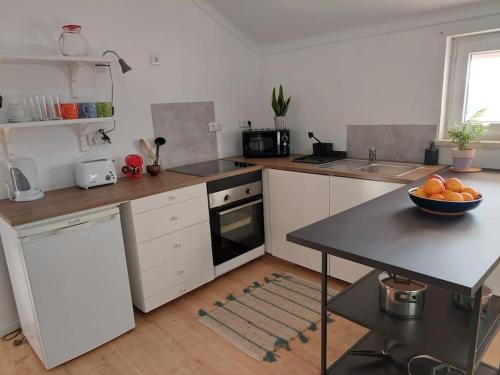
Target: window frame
{"points": [[454, 89]]}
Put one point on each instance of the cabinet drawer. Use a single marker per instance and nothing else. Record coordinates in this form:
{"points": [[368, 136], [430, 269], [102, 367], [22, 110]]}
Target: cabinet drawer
{"points": [[184, 287], [164, 220], [176, 271], [170, 197], [174, 245]]}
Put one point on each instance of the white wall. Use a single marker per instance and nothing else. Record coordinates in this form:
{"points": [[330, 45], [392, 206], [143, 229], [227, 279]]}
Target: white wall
{"points": [[200, 61], [395, 78]]}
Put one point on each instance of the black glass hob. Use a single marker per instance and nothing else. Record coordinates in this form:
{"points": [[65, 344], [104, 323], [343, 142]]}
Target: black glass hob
{"points": [[209, 168], [321, 159]]}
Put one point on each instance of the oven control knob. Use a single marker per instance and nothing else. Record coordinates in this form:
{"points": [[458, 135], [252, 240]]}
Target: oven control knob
{"points": [[227, 197], [249, 191], [284, 138]]}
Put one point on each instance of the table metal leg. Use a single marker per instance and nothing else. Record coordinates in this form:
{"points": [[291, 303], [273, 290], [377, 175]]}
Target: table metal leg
{"points": [[476, 321], [324, 300]]}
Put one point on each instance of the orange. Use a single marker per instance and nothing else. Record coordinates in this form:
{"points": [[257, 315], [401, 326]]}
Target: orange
{"points": [[471, 191], [438, 177], [438, 197], [420, 192], [467, 196], [454, 184], [433, 186], [455, 197], [446, 192]]}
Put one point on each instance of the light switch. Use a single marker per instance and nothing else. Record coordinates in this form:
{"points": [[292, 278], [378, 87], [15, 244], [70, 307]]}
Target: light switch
{"points": [[154, 59], [214, 126]]}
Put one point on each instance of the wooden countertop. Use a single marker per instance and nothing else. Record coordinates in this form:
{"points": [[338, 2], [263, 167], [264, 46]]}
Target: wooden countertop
{"points": [[287, 164], [74, 199], [392, 234]]}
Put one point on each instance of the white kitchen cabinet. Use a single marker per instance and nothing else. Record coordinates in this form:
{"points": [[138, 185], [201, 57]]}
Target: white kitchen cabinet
{"points": [[295, 200], [168, 245], [346, 193]]}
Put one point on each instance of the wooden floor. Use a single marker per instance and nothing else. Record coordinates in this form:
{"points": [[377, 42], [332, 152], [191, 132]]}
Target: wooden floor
{"points": [[170, 341]]}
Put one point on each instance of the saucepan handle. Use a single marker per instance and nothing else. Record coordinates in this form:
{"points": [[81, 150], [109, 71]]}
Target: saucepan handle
{"points": [[403, 297]]}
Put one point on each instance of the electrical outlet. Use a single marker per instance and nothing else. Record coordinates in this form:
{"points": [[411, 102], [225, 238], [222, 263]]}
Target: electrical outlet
{"points": [[245, 124], [95, 139], [214, 126], [154, 59]]}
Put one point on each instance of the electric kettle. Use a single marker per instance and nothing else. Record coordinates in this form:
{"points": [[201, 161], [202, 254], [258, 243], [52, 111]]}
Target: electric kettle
{"points": [[24, 180]]}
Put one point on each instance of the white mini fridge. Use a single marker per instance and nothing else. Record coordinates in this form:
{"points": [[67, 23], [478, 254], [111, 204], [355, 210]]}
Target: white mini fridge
{"points": [[73, 294]]}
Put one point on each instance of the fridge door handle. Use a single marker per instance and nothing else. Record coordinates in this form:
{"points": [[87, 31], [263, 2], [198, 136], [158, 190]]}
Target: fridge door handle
{"points": [[71, 228]]}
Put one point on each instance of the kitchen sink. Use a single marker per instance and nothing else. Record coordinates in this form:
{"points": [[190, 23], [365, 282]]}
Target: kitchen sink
{"points": [[389, 169], [345, 164]]}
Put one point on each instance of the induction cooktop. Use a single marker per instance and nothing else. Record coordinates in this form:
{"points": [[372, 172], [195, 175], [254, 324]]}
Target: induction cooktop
{"points": [[209, 168], [321, 159]]}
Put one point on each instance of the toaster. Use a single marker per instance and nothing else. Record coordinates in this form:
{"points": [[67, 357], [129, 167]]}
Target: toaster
{"points": [[95, 173]]}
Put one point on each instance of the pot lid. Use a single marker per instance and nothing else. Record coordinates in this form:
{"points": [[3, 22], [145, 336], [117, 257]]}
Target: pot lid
{"points": [[400, 283]]}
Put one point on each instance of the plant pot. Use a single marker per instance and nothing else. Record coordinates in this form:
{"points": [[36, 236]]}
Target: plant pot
{"points": [[153, 170], [462, 159], [280, 122]]}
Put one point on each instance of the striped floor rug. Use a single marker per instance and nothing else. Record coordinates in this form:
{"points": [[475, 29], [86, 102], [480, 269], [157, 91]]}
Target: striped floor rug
{"points": [[268, 315]]}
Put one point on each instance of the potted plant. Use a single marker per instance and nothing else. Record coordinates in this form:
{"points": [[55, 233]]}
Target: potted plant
{"points": [[462, 135], [280, 107]]}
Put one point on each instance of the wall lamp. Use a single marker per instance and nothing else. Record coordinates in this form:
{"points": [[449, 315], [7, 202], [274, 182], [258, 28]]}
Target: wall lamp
{"points": [[125, 67]]}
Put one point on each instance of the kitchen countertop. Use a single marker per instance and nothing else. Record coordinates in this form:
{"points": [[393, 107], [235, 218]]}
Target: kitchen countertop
{"points": [[74, 199], [287, 164], [392, 234]]}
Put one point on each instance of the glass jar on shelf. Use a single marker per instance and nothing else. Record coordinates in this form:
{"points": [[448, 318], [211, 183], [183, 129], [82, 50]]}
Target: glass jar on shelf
{"points": [[72, 42]]}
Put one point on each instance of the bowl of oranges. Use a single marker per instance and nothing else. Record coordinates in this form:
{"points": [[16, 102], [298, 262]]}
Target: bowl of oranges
{"points": [[445, 197]]}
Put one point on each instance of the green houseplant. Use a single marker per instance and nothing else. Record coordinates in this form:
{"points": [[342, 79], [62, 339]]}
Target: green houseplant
{"points": [[280, 107], [464, 134]]}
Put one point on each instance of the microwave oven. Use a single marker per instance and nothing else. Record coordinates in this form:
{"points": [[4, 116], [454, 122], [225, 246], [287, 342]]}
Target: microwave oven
{"points": [[261, 143]]}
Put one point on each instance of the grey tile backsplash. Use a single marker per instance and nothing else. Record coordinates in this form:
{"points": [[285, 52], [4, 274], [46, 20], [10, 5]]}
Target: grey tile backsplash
{"points": [[185, 127], [393, 142]]}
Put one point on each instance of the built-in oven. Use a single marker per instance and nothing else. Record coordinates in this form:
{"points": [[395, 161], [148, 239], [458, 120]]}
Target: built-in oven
{"points": [[236, 220]]}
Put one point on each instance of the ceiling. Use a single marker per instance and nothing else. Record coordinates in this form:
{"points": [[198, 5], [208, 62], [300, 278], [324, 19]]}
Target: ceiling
{"points": [[273, 22]]}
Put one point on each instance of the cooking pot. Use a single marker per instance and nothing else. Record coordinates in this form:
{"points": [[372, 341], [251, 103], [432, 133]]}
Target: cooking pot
{"points": [[400, 296], [466, 303]]}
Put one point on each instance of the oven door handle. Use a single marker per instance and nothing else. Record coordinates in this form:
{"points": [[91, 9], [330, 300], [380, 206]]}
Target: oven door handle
{"points": [[240, 207]]}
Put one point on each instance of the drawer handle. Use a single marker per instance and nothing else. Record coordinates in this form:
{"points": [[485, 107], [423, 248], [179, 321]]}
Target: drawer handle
{"points": [[177, 245], [173, 218], [181, 271]]}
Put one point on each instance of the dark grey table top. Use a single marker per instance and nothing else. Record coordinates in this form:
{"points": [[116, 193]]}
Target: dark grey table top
{"points": [[390, 233]]}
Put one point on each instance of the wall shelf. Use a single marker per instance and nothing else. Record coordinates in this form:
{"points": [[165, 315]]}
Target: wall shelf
{"points": [[34, 124], [54, 59], [80, 126], [73, 63]]}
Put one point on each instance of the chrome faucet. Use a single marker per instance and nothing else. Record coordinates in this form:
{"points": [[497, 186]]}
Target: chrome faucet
{"points": [[372, 155]]}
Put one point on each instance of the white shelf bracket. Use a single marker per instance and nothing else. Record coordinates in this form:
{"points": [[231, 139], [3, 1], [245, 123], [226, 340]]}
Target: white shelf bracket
{"points": [[73, 70], [6, 142]]}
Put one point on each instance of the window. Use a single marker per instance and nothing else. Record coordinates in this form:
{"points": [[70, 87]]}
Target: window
{"points": [[472, 82]]}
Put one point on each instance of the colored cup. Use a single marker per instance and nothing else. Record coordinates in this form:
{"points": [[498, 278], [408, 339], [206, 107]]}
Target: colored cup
{"points": [[104, 109], [87, 110], [69, 111]]}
